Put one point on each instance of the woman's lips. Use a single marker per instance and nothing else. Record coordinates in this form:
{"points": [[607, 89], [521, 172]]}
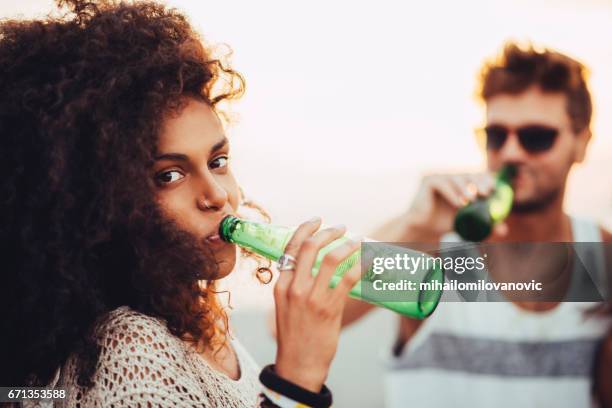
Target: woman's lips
{"points": [[214, 239]]}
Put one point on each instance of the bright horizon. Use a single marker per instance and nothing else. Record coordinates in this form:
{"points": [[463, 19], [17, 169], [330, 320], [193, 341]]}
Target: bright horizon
{"points": [[347, 106]]}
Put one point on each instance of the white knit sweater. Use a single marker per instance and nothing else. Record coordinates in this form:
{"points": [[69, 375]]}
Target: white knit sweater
{"points": [[143, 365]]}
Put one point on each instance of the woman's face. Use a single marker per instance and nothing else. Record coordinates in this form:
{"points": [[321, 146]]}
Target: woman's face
{"points": [[194, 184]]}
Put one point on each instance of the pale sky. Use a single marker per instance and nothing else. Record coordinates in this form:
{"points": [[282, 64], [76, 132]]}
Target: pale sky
{"points": [[349, 103]]}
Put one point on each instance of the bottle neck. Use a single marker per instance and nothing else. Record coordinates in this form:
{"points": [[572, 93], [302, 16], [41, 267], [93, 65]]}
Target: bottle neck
{"points": [[507, 173], [263, 239], [227, 227]]}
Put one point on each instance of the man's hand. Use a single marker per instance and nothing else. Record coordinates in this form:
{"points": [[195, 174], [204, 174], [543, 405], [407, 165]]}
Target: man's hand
{"points": [[433, 209]]}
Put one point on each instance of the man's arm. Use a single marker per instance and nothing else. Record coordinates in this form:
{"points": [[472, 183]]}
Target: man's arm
{"points": [[407, 328], [603, 372], [397, 229], [430, 216], [354, 310], [606, 236]]}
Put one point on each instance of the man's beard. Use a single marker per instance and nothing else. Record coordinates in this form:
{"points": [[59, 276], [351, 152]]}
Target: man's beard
{"points": [[536, 205]]}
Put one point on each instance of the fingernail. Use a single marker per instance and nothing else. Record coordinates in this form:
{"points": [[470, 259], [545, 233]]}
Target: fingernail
{"points": [[314, 219], [471, 190]]}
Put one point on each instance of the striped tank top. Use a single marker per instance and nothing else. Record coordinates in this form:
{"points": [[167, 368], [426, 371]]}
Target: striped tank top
{"points": [[496, 354]]}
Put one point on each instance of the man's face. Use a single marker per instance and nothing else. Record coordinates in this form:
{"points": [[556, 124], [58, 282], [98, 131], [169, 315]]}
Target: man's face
{"points": [[541, 175]]}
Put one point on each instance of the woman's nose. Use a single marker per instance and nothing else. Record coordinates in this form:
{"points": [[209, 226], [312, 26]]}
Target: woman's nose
{"points": [[213, 196]]}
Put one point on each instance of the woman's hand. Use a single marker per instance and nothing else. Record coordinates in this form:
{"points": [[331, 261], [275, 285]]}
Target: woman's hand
{"points": [[308, 311]]}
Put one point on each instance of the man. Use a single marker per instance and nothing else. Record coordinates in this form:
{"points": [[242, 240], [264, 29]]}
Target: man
{"points": [[538, 112]]}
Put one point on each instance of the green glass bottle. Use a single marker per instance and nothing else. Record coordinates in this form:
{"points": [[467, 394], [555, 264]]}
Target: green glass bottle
{"points": [[475, 221], [270, 241]]}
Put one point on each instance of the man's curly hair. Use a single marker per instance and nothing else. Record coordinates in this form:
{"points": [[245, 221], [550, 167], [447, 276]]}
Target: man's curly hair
{"points": [[82, 99], [518, 68]]}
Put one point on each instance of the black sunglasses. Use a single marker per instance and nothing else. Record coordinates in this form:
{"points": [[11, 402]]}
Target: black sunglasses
{"points": [[533, 138]]}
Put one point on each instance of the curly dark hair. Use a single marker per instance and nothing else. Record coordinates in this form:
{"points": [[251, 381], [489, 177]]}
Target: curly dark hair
{"points": [[82, 98], [516, 69]]}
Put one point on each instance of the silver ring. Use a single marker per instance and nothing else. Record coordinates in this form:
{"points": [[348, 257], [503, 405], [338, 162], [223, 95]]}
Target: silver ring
{"points": [[286, 262]]}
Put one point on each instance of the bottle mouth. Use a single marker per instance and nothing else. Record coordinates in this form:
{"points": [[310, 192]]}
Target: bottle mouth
{"points": [[227, 226], [508, 171]]}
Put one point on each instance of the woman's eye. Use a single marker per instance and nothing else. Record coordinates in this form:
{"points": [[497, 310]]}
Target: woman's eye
{"points": [[169, 177], [219, 162]]}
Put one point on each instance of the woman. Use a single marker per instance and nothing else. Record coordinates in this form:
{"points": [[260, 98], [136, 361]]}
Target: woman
{"points": [[116, 179]]}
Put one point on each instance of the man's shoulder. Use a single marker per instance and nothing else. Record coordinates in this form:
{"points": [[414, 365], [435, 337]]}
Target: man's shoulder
{"points": [[587, 229], [606, 236]]}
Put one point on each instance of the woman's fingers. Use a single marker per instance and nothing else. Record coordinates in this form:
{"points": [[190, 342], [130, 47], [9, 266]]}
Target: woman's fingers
{"points": [[330, 263], [348, 281], [303, 232], [308, 254]]}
